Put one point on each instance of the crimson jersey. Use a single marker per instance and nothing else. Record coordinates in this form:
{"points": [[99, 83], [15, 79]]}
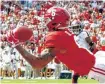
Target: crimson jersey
{"points": [[68, 52]]}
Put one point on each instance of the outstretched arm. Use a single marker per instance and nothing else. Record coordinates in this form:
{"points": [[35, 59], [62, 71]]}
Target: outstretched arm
{"points": [[19, 35], [37, 62]]}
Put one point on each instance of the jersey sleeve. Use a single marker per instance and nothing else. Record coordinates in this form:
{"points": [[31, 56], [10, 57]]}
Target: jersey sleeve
{"points": [[85, 34]]}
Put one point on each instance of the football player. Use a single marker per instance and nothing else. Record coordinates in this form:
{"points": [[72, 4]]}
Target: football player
{"points": [[83, 39], [59, 42]]}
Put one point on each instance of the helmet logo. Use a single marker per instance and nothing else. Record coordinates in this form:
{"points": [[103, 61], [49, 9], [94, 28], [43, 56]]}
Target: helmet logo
{"points": [[53, 13]]}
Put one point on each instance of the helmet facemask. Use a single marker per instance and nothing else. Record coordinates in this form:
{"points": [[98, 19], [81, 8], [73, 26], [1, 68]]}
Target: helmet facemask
{"points": [[76, 29]]}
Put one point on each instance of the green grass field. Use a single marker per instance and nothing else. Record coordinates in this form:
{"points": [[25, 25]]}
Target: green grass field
{"points": [[46, 81]]}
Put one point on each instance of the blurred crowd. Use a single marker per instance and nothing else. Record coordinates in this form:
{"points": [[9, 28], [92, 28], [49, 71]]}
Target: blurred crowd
{"points": [[89, 14]]}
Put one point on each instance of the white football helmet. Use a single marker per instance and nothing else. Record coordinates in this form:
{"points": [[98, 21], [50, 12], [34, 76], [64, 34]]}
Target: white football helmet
{"points": [[76, 27]]}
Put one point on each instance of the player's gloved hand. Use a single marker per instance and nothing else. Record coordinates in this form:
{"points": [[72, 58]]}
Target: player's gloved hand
{"points": [[19, 35]]}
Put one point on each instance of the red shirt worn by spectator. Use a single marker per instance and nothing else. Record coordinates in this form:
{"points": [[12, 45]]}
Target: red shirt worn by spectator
{"points": [[94, 39], [103, 48]]}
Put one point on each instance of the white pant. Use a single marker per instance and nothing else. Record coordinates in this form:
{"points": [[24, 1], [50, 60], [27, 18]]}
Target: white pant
{"points": [[36, 73], [28, 70], [6, 66], [14, 68], [57, 70], [98, 71]]}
